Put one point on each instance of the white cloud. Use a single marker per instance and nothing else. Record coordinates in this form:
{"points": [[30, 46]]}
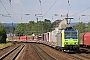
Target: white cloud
{"points": [[17, 1]]}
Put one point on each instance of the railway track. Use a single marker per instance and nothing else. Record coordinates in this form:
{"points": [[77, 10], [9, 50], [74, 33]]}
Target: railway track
{"points": [[11, 55], [83, 54], [79, 57], [42, 54]]}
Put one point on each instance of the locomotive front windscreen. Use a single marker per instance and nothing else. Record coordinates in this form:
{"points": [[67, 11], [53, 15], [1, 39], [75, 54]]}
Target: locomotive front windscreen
{"points": [[70, 34]]}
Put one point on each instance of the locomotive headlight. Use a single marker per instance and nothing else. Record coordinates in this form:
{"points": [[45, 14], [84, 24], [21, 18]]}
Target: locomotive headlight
{"points": [[76, 43], [66, 42]]}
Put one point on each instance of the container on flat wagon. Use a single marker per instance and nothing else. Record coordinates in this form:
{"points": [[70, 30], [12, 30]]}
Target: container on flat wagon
{"points": [[9, 38], [15, 37], [47, 35], [54, 33], [50, 39], [45, 38], [54, 38], [23, 38], [29, 37], [87, 38], [35, 37], [58, 40], [82, 38], [40, 37]]}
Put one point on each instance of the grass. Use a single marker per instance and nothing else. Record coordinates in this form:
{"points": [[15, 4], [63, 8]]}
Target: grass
{"points": [[5, 45]]}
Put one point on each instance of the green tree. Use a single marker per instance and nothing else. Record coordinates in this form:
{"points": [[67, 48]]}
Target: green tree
{"points": [[40, 27], [3, 35], [80, 27], [20, 29], [47, 25], [88, 27], [32, 26]]}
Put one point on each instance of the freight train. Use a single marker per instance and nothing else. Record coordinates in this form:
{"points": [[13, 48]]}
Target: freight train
{"points": [[63, 39]]}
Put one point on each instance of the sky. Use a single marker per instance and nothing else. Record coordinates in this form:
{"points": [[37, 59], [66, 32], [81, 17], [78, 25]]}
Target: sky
{"points": [[15, 10]]}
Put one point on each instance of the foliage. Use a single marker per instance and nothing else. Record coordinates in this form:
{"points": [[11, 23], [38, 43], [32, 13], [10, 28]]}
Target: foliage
{"points": [[47, 25], [80, 27], [3, 35], [20, 29], [5, 45], [38, 27], [88, 27], [31, 27]]}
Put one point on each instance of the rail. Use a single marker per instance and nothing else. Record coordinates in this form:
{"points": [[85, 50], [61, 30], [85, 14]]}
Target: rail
{"points": [[42, 54], [11, 55]]}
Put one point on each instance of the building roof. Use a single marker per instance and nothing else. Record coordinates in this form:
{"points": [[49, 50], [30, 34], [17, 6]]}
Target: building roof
{"points": [[56, 23]]}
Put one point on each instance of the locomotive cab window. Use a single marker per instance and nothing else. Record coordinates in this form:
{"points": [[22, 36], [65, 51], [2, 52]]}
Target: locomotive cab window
{"points": [[70, 34]]}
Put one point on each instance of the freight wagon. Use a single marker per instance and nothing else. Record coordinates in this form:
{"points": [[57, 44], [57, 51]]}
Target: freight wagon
{"points": [[54, 38], [49, 38], [24, 38], [15, 38], [29, 37], [85, 39]]}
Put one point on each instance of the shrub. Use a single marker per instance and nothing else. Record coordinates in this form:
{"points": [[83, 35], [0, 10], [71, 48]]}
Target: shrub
{"points": [[3, 35]]}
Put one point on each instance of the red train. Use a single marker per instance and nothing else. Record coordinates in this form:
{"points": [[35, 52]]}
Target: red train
{"points": [[24, 38], [85, 39]]}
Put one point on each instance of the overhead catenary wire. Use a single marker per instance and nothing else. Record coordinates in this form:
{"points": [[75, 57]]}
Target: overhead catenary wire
{"points": [[81, 11], [40, 6], [78, 9], [13, 10], [6, 10], [40, 2], [4, 7], [50, 8], [68, 6], [78, 12]]}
